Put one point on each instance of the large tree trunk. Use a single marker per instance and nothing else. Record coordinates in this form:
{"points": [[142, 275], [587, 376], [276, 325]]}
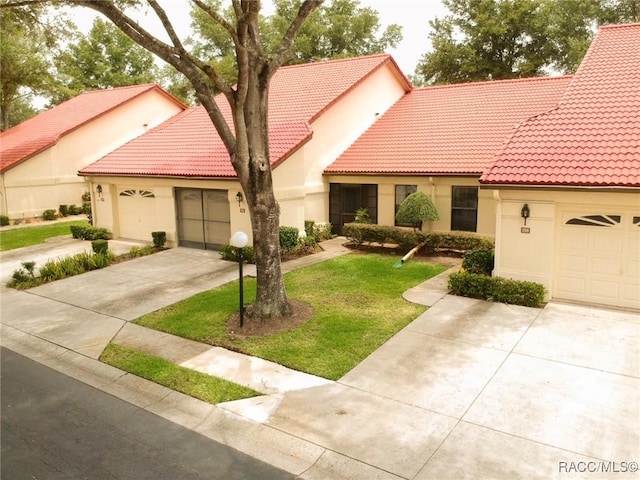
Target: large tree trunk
{"points": [[254, 172]]}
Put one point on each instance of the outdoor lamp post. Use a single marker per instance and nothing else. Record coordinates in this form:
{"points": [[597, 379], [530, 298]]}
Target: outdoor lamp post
{"points": [[240, 240]]}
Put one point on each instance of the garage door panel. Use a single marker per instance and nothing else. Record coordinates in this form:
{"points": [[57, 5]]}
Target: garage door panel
{"points": [[598, 258], [608, 290], [574, 242], [568, 285], [605, 266], [573, 263], [611, 244]]}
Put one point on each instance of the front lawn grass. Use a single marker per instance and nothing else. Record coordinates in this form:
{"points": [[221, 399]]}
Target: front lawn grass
{"points": [[190, 382], [357, 303], [23, 237]]}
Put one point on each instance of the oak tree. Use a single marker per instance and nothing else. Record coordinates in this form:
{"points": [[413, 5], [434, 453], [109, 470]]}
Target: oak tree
{"points": [[246, 138]]}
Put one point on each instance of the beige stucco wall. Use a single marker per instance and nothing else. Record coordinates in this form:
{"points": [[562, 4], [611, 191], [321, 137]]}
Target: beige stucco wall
{"points": [[163, 214], [438, 188], [532, 255], [50, 178], [338, 127]]}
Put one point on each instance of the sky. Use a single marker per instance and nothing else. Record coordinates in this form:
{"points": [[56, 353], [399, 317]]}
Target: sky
{"points": [[412, 15]]}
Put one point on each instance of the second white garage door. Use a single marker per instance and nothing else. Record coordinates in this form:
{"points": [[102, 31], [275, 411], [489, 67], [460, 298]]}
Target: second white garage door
{"points": [[598, 257]]}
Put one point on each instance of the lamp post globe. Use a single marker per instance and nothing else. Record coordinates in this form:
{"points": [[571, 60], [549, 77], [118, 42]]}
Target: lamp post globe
{"points": [[239, 239]]}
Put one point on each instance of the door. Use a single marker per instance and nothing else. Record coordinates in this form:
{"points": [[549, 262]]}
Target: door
{"points": [[204, 218], [345, 199], [598, 257], [137, 213]]}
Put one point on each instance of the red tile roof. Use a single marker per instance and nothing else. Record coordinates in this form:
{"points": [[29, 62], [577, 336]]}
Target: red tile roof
{"points": [[188, 145], [592, 138], [42, 131], [451, 129]]}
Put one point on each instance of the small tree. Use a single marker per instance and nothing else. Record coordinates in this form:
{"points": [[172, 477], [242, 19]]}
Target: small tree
{"points": [[416, 209]]}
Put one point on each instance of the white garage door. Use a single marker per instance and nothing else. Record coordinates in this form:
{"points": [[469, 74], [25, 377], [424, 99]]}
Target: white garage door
{"points": [[598, 259], [137, 212]]}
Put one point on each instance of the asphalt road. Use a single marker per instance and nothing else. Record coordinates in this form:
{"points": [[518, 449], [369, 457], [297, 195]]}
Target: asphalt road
{"points": [[55, 427]]}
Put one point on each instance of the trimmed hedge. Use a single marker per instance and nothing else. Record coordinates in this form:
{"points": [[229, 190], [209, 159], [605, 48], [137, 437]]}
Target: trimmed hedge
{"points": [[360, 233], [159, 239], [49, 214], [497, 289], [100, 246], [229, 252], [87, 232], [289, 238], [478, 260]]}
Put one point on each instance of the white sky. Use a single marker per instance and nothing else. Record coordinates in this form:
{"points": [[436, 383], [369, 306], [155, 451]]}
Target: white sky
{"points": [[412, 15]]}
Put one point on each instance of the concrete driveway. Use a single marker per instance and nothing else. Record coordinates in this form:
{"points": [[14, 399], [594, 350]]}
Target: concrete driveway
{"points": [[470, 389], [481, 390]]}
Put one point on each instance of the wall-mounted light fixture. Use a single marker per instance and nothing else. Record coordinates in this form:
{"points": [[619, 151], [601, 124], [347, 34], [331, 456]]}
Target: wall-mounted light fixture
{"points": [[239, 198], [99, 191], [525, 213]]}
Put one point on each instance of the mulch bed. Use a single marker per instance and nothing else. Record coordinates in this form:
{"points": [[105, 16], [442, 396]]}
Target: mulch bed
{"points": [[302, 312]]}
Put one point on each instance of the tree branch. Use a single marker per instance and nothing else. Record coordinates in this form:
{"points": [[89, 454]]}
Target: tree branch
{"points": [[284, 52], [219, 19]]}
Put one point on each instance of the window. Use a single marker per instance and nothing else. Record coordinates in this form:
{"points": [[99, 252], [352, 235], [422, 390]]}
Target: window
{"points": [[464, 208], [402, 192]]}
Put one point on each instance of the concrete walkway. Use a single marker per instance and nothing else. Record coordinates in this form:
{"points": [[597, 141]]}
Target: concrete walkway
{"points": [[470, 389]]}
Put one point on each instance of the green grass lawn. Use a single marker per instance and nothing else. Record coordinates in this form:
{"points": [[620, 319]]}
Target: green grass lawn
{"points": [[23, 237], [198, 385], [357, 303]]}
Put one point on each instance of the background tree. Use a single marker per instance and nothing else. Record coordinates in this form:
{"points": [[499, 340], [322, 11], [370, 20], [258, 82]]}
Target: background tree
{"points": [[27, 36], [104, 58], [501, 39], [246, 138], [416, 209], [340, 29]]}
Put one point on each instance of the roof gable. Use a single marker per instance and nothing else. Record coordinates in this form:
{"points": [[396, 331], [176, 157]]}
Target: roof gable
{"points": [[45, 129], [188, 144], [592, 138], [450, 129]]}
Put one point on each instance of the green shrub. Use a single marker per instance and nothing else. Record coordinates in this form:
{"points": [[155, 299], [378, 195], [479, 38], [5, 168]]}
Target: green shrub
{"points": [[229, 252], [159, 239], [141, 251], [362, 216], [416, 209], [87, 232], [288, 238], [49, 214], [75, 210], [322, 231], [306, 244], [478, 260], [309, 228], [497, 289], [79, 231], [64, 210], [86, 209], [101, 260], [25, 277], [100, 246], [4, 220], [407, 239]]}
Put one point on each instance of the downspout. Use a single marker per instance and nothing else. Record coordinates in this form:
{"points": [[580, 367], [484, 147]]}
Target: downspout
{"points": [[4, 196], [497, 234]]}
